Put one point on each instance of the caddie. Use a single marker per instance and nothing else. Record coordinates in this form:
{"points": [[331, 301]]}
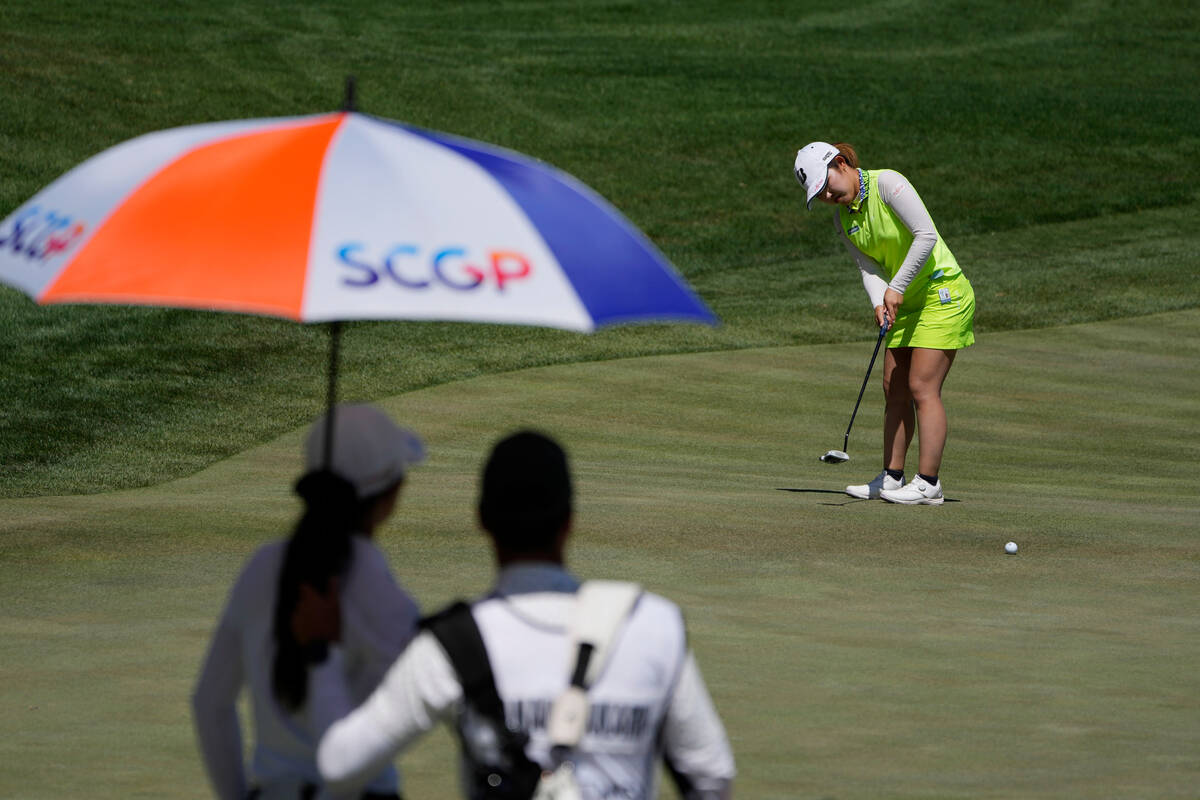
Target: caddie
{"points": [[648, 702]]}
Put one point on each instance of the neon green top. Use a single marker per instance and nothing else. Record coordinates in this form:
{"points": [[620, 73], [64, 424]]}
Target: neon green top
{"points": [[875, 228]]}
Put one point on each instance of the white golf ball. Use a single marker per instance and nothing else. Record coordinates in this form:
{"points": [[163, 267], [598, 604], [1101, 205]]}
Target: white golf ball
{"points": [[1010, 548]]}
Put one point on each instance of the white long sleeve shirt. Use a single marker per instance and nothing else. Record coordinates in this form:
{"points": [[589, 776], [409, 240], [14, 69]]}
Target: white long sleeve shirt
{"points": [[649, 701], [378, 620]]}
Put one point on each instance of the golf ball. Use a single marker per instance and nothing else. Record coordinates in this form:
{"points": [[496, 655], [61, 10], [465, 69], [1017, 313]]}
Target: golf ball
{"points": [[1010, 548]]}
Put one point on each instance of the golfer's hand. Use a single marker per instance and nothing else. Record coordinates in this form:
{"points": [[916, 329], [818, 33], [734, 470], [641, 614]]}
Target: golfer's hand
{"points": [[880, 315], [891, 304]]}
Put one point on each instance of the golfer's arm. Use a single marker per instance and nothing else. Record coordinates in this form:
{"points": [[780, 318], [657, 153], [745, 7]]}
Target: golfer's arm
{"points": [[898, 193], [419, 689], [873, 281]]}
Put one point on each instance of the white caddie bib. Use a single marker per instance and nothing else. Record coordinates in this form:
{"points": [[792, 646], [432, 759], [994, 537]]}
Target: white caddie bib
{"points": [[531, 655]]}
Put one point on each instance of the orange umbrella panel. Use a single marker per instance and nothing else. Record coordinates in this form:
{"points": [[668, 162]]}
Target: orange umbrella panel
{"points": [[211, 216]]}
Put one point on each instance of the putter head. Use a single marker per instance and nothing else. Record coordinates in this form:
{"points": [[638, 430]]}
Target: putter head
{"points": [[835, 457]]}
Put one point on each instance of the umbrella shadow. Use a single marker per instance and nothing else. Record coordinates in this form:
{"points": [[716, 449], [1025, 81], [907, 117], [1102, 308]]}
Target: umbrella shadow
{"points": [[847, 502]]}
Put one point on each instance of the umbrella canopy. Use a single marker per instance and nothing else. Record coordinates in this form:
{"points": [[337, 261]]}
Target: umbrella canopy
{"points": [[338, 216]]}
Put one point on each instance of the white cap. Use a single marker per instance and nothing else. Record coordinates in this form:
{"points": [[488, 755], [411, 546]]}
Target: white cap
{"points": [[812, 167], [369, 450]]}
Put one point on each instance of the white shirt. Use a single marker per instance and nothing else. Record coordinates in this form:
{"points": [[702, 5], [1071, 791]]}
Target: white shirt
{"points": [[649, 701], [378, 620]]}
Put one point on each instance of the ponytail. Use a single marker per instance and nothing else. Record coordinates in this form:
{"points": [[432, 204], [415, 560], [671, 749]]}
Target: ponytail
{"points": [[320, 549], [846, 151]]}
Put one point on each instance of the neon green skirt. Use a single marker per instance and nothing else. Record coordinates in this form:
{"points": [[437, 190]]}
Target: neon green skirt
{"points": [[945, 321]]}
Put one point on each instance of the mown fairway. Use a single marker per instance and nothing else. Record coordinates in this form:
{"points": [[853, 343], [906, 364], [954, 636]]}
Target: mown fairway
{"points": [[855, 649]]}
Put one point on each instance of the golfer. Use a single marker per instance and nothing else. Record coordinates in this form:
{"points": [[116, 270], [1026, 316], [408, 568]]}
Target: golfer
{"points": [[260, 647], [917, 288], [649, 700]]}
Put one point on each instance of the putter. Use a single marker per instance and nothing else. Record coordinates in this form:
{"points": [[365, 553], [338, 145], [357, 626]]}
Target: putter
{"points": [[841, 456]]}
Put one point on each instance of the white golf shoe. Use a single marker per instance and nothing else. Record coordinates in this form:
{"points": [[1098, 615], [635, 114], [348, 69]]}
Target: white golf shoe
{"points": [[919, 492], [874, 489]]}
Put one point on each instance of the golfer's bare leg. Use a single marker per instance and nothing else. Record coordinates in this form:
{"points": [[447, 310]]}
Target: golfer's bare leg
{"points": [[926, 374], [898, 420]]}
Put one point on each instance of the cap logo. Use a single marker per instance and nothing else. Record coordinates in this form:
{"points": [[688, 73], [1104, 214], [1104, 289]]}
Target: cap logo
{"points": [[827, 155], [803, 177]]}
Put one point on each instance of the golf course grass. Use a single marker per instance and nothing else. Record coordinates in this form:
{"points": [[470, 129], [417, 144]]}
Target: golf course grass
{"points": [[854, 648]]}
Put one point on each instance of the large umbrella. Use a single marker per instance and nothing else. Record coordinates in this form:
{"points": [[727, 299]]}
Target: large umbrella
{"points": [[336, 217]]}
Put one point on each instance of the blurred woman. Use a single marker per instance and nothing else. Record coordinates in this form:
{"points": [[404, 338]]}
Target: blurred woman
{"points": [[261, 644], [917, 288]]}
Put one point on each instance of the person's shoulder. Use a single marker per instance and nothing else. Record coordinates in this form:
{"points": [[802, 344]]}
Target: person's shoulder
{"points": [[367, 556], [370, 576], [267, 559], [890, 178], [368, 564], [259, 575], [892, 185], [658, 611], [657, 631], [657, 601]]}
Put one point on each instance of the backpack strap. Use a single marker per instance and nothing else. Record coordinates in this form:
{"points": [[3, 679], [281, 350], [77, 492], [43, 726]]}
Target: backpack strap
{"points": [[516, 776], [601, 608], [455, 629]]}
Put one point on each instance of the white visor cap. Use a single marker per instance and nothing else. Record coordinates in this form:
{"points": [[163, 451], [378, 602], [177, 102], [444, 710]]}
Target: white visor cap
{"points": [[812, 167], [369, 450]]}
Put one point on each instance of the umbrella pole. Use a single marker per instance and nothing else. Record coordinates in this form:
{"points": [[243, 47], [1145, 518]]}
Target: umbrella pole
{"points": [[335, 328], [335, 338]]}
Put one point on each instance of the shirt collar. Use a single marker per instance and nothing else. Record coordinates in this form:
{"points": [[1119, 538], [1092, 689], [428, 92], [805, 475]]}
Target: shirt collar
{"points": [[864, 189], [523, 577]]}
